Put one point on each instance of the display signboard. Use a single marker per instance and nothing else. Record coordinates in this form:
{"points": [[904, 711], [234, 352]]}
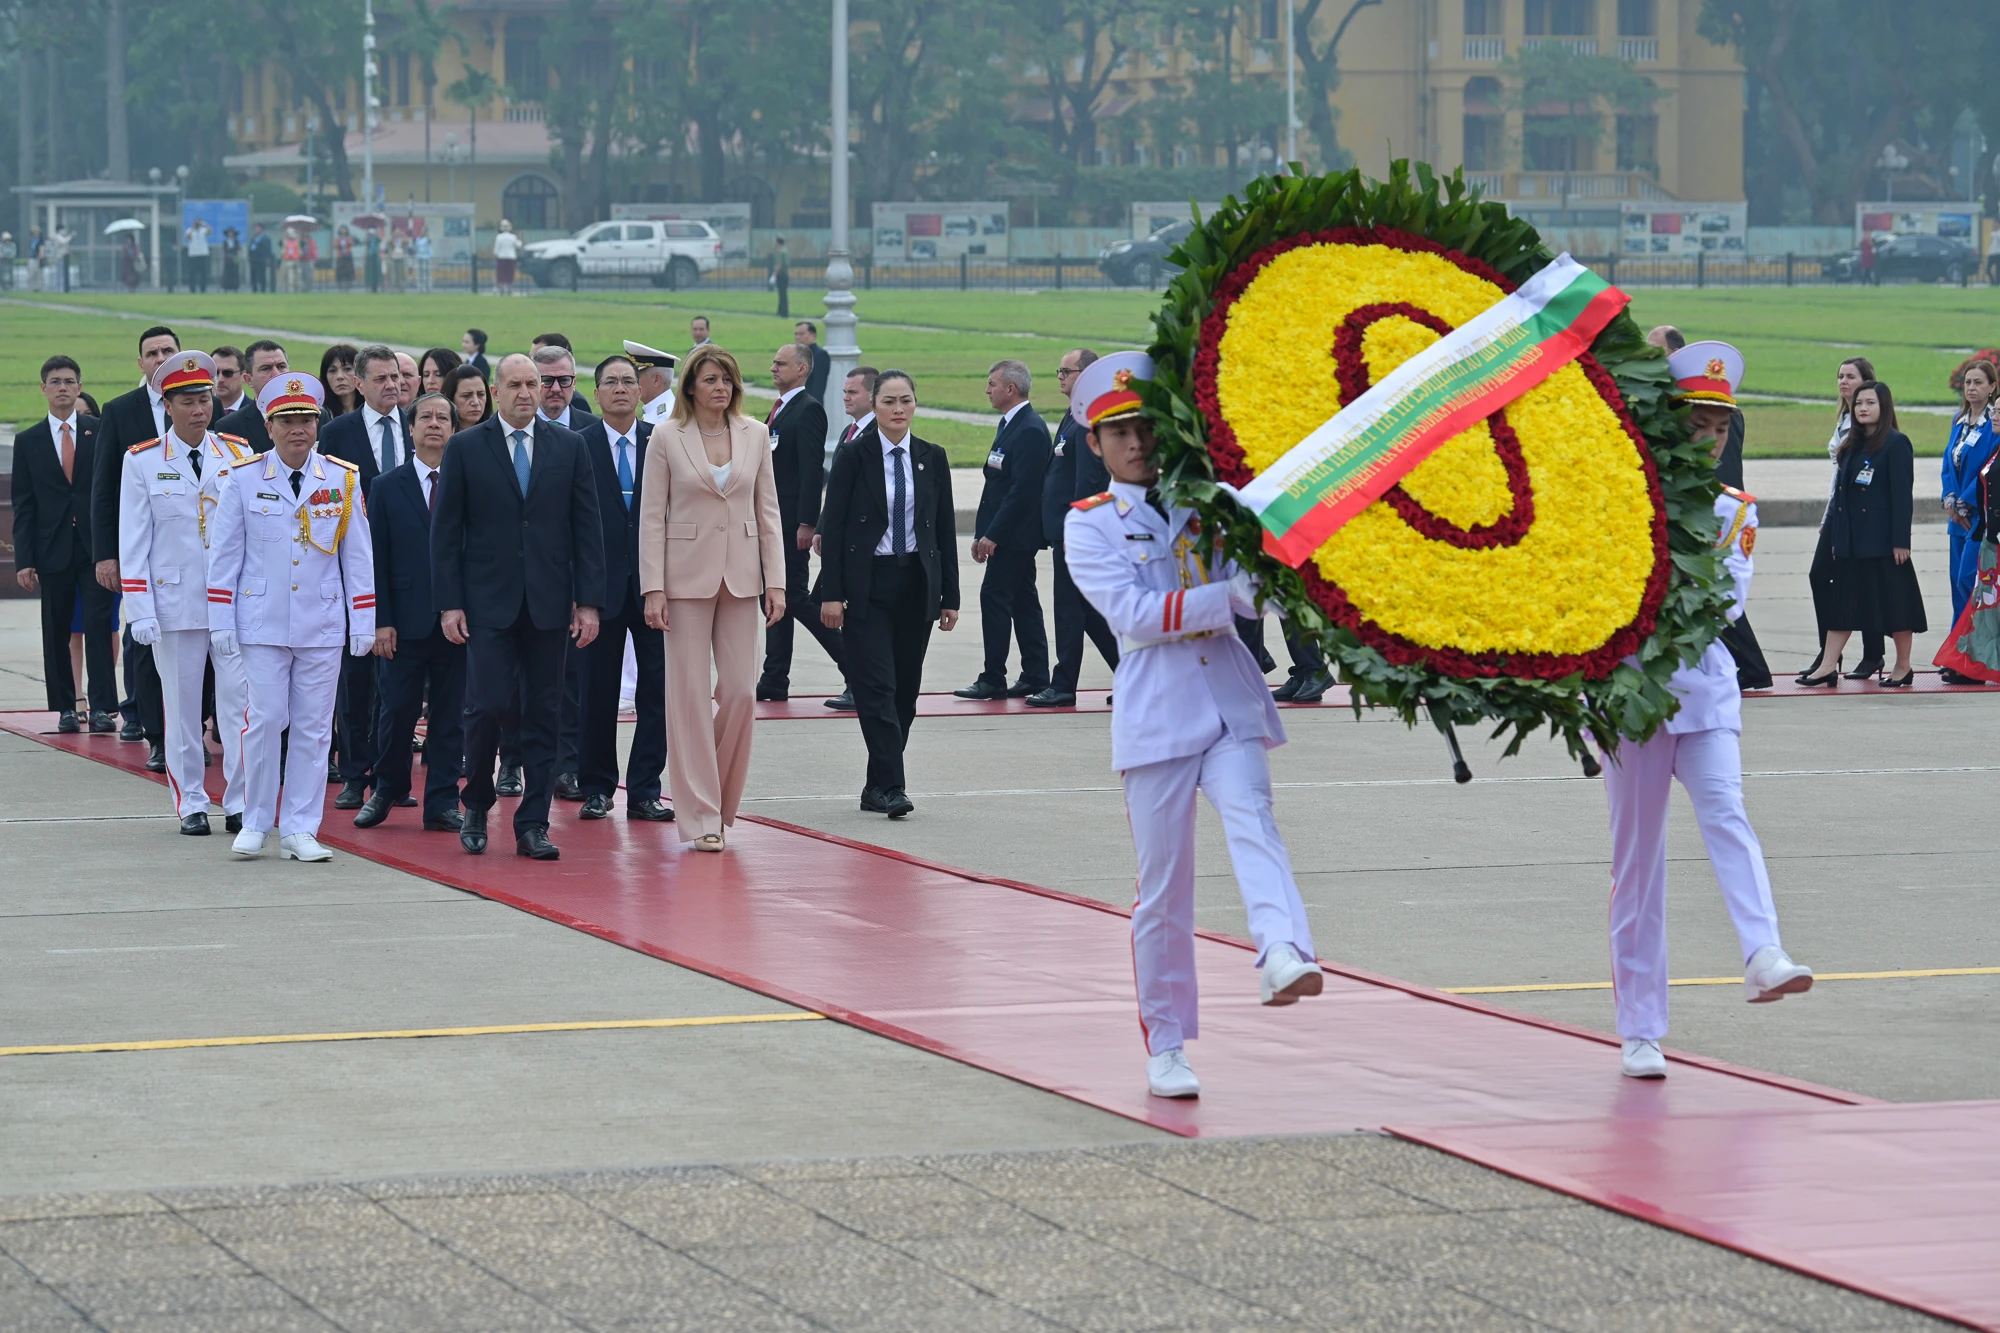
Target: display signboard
{"points": [[448, 225], [1954, 219], [731, 222], [1149, 218], [221, 215], [1677, 229], [920, 232]]}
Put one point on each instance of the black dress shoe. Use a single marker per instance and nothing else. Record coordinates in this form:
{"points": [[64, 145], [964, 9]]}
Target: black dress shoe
{"points": [[406, 802], [1285, 693], [772, 694], [533, 843], [1312, 689], [1871, 667], [66, 723], [568, 788], [132, 731], [1051, 698], [509, 783], [842, 702], [874, 801], [373, 811], [352, 795], [101, 723], [232, 823], [195, 825], [982, 689], [472, 831], [451, 821], [1902, 682], [156, 758], [899, 804], [1021, 689], [333, 774], [655, 811], [1951, 677], [595, 807]]}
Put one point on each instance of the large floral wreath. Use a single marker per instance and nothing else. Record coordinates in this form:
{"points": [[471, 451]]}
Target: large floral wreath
{"points": [[1512, 573]]}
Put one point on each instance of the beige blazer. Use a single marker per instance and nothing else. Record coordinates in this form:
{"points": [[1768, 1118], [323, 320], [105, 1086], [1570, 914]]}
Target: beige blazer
{"points": [[695, 540]]}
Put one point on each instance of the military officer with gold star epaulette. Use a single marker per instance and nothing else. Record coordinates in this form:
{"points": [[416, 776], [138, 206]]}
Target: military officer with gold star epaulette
{"points": [[291, 584], [170, 488], [656, 381]]}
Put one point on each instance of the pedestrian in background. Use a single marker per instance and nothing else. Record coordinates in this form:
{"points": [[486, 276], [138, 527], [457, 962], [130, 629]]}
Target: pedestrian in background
{"points": [[806, 334], [1853, 372], [1966, 454], [473, 345], [1874, 583], [399, 263], [260, 259], [506, 251], [781, 279], [372, 260], [232, 255], [196, 241], [1075, 473], [421, 253], [343, 259], [1007, 533]]}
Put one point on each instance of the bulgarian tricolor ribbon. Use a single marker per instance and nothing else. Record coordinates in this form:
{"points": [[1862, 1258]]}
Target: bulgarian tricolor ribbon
{"points": [[1379, 438]]}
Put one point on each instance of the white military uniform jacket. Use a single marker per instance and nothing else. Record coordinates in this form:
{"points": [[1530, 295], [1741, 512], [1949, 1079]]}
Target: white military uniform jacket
{"points": [[292, 571], [1183, 675], [659, 409], [1736, 512], [164, 515]]}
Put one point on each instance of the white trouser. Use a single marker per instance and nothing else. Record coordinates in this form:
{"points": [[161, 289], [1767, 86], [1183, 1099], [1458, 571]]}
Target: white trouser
{"points": [[181, 656], [1637, 783], [232, 720], [1159, 801], [289, 688]]}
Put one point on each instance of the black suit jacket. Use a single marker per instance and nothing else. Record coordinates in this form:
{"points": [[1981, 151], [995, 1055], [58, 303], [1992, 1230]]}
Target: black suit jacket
{"points": [[1870, 521], [127, 420], [246, 423], [822, 367], [1074, 472], [399, 521], [1010, 508], [621, 525], [798, 464], [479, 363], [346, 437], [856, 514], [51, 511], [580, 418], [493, 548]]}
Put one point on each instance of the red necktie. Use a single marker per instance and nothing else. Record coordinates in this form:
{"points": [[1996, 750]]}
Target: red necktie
{"points": [[431, 489], [851, 432], [771, 415], [68, 454]]}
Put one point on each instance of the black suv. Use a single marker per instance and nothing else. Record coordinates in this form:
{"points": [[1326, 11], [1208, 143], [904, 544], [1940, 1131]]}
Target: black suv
{"points": [[1144, 263], [1923, 258]]}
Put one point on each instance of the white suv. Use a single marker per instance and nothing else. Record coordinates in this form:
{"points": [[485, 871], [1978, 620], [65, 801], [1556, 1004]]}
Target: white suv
{"points": [[672, 254]]}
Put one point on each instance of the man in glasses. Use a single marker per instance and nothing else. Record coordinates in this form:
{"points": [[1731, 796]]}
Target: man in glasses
{"points": [[558, 404], [557, 369], [577, 401]]}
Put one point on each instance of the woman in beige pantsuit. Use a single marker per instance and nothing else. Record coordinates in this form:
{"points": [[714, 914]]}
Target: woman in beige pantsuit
{"points": [[708, 548]]}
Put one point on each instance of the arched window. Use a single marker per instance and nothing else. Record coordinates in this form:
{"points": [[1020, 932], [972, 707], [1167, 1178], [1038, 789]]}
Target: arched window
{"points": [[531, 203]]}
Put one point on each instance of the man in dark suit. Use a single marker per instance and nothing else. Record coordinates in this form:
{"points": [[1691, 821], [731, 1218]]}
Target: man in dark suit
{"points": [[53, 462], [265, 361], [517, 567], [414, 656], [577, 402], [1006, 534], [1074, 473], [560, 401], [375, 437], [889, 572], [616, 444], [797, 423], [806, 334], [129, 419], [262, 254]]}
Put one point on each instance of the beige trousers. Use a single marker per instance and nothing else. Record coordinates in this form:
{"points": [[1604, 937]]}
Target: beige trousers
{"points": [[709, 718]]}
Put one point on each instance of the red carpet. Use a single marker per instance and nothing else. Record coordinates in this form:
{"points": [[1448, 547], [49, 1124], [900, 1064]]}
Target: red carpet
{"points": [[1037, 986]]}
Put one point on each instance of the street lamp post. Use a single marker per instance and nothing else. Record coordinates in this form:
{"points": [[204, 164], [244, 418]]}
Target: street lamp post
{"points": [[843, 353], [368, 103], [1291, 87]]}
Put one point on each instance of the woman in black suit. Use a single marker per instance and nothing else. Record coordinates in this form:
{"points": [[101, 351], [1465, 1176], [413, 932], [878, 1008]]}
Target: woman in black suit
{"points": [[1874, 583]]}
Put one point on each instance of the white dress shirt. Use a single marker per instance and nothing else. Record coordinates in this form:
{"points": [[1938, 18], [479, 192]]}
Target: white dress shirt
{"points": [[507, 437], [887, 546], [425, 472], [373, 420], [56, 425], [562, 420], [857, 427], [778, 407]]}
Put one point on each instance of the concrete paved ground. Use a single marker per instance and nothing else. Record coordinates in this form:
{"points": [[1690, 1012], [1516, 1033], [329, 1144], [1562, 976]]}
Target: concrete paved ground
{"points": [[117, 930]]}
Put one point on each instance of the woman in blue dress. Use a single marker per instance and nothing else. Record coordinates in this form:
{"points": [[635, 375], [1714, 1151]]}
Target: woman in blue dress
{"points": [[1966, 454]]}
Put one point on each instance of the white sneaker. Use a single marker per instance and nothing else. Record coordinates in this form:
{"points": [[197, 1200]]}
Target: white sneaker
{"points": [[248, 843], [1169, 1076], [302, 847], [1772, 975], [1287, 976], [1643, 1059]]}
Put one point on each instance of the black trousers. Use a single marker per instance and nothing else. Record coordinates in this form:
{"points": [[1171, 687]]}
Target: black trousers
{"points": [[1820, 577], [885, 662], [355, 719], [197, 273], [142, 678], [260, 276], [1075, 618], [799, 609], [436, 664], [516, 667], [569, 728], [1752, 672], [604, 663], [1011, 609], [61, 590]]}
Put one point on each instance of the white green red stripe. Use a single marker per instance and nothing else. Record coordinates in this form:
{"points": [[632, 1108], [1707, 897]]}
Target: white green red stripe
{"points": [[1379, 438]]}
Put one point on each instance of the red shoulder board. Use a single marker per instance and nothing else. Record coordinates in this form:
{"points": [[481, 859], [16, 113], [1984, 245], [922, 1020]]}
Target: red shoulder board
{"points": [[1092, 501], [1743, 496], [142, 446]]}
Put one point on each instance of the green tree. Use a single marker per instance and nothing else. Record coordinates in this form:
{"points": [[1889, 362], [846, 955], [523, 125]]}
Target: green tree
{"points": [[1320, 63], [1566, 93], [317, 48]]}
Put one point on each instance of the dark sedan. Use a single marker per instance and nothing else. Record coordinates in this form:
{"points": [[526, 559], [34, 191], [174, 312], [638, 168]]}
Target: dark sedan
{"points": [[1144, 263], [1918, 258]]}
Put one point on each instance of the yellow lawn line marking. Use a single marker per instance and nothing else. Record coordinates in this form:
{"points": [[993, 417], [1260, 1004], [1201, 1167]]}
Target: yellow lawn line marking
{"points": [[1721, 981], [489, 1030]]}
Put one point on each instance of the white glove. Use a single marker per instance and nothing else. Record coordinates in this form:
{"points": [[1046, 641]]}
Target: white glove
{"points": [[146, 632], [1243, 595], [223, 642], [360, 645]]}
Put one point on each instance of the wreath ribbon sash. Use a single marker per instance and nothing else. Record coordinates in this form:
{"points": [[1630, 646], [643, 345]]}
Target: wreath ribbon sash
{"points": [[1368, 446]]}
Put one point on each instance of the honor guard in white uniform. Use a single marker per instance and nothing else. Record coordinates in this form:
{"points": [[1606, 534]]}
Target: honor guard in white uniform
{"points": [[1193, 714], [169, 490], [291, 584], [656, 380], [1736, 520], [1700, 745]]}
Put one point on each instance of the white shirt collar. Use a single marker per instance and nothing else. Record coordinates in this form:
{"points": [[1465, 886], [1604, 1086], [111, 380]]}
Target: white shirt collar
{"points": [[864, 423], [562, 420], [787, 397], [56, 424], [424, 469], [1007, 417], [507, 431], [630, 434], [371, 419], [903, 444]]}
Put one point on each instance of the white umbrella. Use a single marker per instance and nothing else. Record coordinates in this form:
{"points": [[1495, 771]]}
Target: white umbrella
{"points": [[124, 224], [301, 220]]}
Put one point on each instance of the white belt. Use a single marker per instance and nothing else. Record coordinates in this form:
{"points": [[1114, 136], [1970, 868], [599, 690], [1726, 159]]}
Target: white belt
{"points": [[1128, 645]]}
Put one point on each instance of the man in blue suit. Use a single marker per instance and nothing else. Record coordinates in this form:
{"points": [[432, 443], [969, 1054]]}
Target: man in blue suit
{"points": [[1005, 537], [414, 656], [617, 448], [517, 569]]}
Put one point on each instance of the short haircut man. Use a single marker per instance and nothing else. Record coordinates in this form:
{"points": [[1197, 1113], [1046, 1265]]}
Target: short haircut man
{"points": [[370, 354], [233, 353], [554, 340], [597, 374], [60, 362], [1015, 373], [158, 331], [868, 375], [810, 329]]}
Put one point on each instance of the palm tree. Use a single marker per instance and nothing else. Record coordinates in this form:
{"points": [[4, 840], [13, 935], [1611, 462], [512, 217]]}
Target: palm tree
{"points": [[473, 91], [423, 37]]}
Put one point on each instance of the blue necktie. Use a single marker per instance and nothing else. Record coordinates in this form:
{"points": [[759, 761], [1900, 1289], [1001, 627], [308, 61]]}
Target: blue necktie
{"points": [[388, 445], [521, 459], [897, 543], [625, 470]]}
